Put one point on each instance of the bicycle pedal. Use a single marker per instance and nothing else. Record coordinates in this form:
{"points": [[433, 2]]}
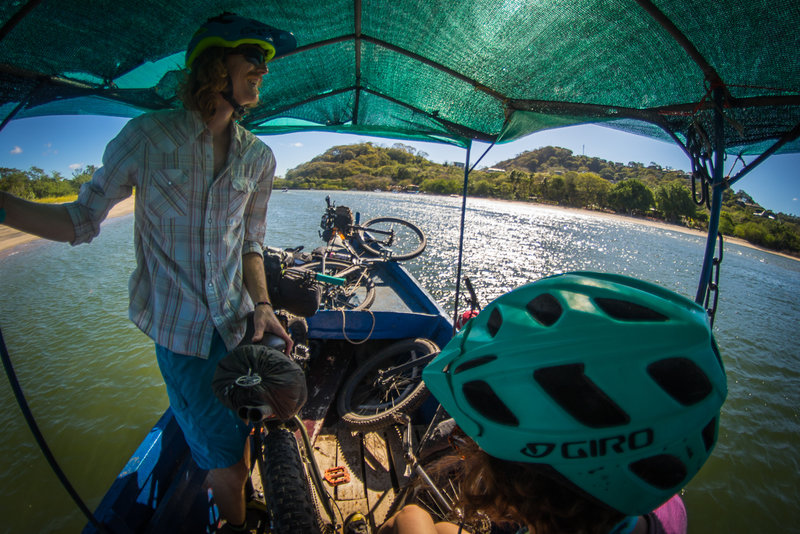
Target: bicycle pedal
{"points": [[337, 475]]}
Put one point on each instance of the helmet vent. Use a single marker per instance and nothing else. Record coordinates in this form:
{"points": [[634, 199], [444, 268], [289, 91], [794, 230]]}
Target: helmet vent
{"points": [[545, 308], [475, 362], [682, 379], [495, 322], [710, 434], [483, 400], [663, 471], [624, 310], [579, 396]]}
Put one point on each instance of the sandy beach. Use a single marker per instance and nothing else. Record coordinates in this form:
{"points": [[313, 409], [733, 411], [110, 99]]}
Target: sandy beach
{"points": [[10, 238]]}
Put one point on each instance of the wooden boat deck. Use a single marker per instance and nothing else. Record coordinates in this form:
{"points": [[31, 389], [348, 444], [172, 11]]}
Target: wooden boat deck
{"points": [[369, 467], [374, 463]]}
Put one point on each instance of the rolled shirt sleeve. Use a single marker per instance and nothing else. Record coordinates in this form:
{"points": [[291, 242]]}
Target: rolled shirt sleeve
{"points": [[110, 184]]}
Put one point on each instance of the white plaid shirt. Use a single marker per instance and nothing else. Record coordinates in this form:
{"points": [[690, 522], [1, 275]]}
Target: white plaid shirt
{"points": [[191, 228]]}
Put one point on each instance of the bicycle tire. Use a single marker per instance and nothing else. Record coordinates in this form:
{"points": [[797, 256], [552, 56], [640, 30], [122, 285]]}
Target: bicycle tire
{"points": [[411, 241], [286, 488], [369, 401], [358, 293]]}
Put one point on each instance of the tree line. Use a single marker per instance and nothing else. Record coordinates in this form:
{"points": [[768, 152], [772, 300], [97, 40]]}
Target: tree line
{"points": [[36, 184], [550, 175]]}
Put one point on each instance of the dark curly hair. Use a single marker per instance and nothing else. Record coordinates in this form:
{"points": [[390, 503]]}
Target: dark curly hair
{"points": [[522, 494]]}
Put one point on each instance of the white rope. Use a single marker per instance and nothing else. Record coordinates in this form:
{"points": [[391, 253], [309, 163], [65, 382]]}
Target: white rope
{"points": [[368, 335]]}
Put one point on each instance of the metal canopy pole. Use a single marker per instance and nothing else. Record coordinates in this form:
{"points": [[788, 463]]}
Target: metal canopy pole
{"points": [[717, 187], [461, 235]]}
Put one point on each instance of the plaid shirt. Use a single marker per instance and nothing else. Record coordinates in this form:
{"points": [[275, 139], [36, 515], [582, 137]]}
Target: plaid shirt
{"points": [[191, 227]]}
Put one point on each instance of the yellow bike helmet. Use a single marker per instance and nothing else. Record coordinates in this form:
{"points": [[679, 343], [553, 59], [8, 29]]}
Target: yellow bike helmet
{"points": [[230, 30]]}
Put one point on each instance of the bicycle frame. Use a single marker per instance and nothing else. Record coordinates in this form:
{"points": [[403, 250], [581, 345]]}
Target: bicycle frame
{"points": [[405, 366], [413, 464]]}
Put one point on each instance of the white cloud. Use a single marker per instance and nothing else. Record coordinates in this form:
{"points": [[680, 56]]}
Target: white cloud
{"points": [[297, 145], [16, 150], [794, 199], [76, 166]]}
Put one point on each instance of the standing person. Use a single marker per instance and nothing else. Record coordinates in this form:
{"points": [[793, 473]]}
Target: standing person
{"points": [[590, 399], [202, 186]]}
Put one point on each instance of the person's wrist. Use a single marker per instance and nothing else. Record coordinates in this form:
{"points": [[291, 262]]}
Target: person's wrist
{"points": [[264, 303]]}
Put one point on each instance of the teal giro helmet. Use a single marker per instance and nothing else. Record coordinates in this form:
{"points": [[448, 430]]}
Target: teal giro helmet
{"points": [[229, 30], [611, 384]]}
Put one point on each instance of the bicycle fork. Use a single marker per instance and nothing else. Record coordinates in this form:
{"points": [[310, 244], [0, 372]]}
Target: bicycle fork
{"points": [[412, 464]]}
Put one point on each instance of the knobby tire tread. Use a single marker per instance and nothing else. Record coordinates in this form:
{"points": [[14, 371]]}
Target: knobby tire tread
{"points": [[383, 359], [287, 490]]}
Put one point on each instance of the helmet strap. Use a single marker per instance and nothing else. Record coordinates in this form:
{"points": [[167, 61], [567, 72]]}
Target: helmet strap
{"points": [[227, 94], [238, 109]]}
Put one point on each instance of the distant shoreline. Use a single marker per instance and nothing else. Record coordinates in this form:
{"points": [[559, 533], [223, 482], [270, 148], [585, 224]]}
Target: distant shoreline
{"points": [[657, 224], [10, 238]]}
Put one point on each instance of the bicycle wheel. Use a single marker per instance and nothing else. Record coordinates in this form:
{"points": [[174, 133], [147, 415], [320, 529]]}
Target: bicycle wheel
{"points": [[396, 238], [286, 488], [358, 292], [380, 389]]}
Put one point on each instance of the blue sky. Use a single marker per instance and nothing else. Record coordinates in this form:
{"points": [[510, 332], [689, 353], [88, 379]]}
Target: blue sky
{"points": [[66, 143]]}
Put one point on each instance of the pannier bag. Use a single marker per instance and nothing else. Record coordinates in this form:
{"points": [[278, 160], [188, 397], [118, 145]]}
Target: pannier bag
{"points": [[291, 288], [343, 218]]}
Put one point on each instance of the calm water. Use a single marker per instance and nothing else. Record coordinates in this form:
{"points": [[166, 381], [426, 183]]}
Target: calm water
{"points": [[93, 384]]}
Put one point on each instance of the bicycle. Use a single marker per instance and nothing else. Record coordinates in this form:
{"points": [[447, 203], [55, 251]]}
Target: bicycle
{"points": [[285, 473], [342, 260], [383, 238], [388, 238], [386, 386], [296, 497], [288, 471]]}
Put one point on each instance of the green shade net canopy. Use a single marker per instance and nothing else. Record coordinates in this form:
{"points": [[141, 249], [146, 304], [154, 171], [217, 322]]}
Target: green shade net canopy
{"points": [[433, 70]]}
